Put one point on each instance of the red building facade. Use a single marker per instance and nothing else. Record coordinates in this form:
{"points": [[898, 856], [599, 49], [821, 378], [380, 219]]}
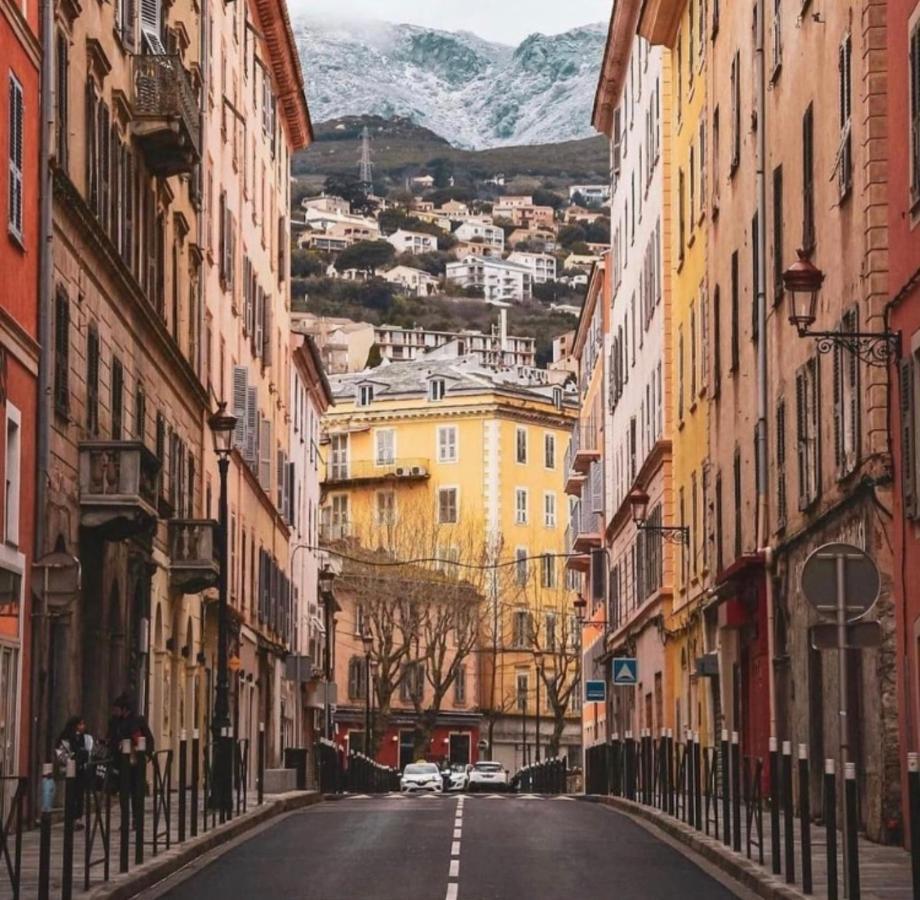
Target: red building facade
{"points": [[20, 122], [904, 279]]}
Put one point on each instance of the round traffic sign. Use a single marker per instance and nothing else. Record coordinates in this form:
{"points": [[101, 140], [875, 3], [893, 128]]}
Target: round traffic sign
{"points": [[828, 565], [234, 664]]}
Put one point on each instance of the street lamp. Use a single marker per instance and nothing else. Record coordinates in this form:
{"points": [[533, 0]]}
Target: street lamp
{"points": [[673, 534], [222, 426], [538, 662], [325, 582], [803, 281], [375, 665], [368, 640]]}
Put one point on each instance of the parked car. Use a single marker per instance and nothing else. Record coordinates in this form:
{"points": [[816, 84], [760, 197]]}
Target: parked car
{"points": [[421, 777], [488, 776], [457, 777]]}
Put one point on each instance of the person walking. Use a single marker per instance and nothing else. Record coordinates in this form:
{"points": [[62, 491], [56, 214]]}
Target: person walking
{"points": [[128, 724], [75, 743]]}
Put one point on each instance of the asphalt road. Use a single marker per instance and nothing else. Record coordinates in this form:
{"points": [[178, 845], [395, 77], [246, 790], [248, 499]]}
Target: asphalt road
{"points": [[441, 848]]}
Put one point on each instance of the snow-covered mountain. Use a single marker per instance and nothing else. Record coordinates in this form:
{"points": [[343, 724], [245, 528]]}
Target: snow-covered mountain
{"points": [[472, 92]]}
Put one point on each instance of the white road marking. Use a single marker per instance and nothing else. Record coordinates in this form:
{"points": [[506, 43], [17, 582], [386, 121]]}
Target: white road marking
{"points": [[454, 869], [452, 891], [455, 848], [457, 833]]}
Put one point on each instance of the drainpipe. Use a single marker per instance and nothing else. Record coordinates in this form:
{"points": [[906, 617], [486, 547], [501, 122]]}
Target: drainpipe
{"points": [[40, 620], [763, 468]]}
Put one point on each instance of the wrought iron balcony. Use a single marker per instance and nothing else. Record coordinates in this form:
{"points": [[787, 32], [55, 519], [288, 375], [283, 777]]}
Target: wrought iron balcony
{"points": [[166, 122], [369, 470], [194, 563], [118, 487]]}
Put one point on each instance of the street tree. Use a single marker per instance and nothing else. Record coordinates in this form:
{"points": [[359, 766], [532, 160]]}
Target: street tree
{"points": [[366, 256]]}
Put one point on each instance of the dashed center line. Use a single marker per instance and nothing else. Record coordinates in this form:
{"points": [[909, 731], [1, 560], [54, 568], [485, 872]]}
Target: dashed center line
{"points": [[453, 873], [452, 891], [455, 848], [454, 869]]}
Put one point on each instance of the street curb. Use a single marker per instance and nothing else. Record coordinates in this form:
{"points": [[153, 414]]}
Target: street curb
{"points": [[745, 871], [123, 887]]}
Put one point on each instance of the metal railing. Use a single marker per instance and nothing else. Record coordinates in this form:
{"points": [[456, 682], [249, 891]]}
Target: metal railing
{"points": [[163, 89], [371, 469], [549, 776]]}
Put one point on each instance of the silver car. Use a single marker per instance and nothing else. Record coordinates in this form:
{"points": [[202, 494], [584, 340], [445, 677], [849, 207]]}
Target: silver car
{"points": [[421, 777], [488, 776]]}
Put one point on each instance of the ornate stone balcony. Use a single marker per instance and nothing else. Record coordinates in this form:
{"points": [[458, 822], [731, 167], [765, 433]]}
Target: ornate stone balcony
{"points": [[118, 487], [194, 564], [166, 122]]}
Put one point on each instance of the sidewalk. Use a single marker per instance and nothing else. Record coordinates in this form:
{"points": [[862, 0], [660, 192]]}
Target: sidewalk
{"points": [[154, 867], [885, 872]]}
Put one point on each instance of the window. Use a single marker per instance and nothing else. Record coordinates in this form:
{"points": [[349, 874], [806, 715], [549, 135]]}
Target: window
{"points": [[680, 373], [385, 447], [437, 387], [915, 114], [846, 401], [15, 157], [549, 451], [386, 508], [118, 399], [777, 37], [62, 352], [717, 529], [520, 506], [808, 180], [681, 217], [522, 688], [12, 474], [521, 445], [694, 384], [715, 160], [357, 680], [365, 395], [908, 460], [338, 456], [737, 502], [844, 162], [736, 111], [736, 313], [694, 522], [548, 570], [447, 506], [412, 683], [62, 72], [92, 379], [781, 503], [520, 566], [338, 519], [716, 341], [755, 275], [778, 255], [460, 685], [549, 510], [522, 629], [140, 414], [808, 435], [447, 444]]}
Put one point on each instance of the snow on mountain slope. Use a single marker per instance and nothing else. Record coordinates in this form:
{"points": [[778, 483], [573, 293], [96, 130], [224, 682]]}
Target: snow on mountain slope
{"points": [[472, 92]]}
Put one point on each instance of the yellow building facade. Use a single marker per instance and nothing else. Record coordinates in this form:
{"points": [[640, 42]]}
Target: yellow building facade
{"points": [[459, 465], [680, 27]]}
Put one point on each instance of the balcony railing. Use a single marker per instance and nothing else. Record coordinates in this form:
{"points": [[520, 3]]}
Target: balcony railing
{"points": [[330, 532], [118, 487], [587, 527], [166, 114], [587, 446], [193, 553], [353, 471]]}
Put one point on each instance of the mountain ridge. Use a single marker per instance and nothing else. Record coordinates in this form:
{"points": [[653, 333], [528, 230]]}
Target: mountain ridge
{"points": [[475, 93]]}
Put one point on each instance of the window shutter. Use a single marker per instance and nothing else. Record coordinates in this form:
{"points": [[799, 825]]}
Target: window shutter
{"points": [[92, 171], [839, 423], [129, 23], [265, 455], [152, 26], [801, 426], [267, 331], [240, 386], [260, 319], [251, 452], [279, 481], [62, 65], [16, 152], [62, 353], [222, 235], [291, 489], [908, 432]]}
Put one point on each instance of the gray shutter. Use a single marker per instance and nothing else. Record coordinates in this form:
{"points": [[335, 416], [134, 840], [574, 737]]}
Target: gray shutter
{"points": [[259, 310], [598, 573], [267, 332], [291, 489], [801, 430], [152, 25], [265, 455], [250, 450], [839, 422], [908, 448], [279, 481], [240, 384]]}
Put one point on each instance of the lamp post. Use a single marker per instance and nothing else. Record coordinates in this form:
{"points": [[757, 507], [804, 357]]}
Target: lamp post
{"points": [[375, 665], [803, 281], [368, 641], [325, 582], [222, 426], [538, 661]]}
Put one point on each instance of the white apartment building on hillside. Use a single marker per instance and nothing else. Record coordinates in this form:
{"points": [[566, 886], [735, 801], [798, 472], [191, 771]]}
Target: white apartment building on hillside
{"points": [[496, 349], [413, 241], [499, 279], [481, 232], [541, 265]]}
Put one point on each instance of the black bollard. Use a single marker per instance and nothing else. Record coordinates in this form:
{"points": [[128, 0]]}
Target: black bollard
{"points": [[726, 791], [44, 857], [670, 776], [805, 818], [830, 826], [736, 793], [788, 813], [776, 791], [615, 763], [124, 802], [70, 817], [913, 790], [139, 791], [851, 836], [183, 787], [196, 763], [697, 782], [261, 763]]}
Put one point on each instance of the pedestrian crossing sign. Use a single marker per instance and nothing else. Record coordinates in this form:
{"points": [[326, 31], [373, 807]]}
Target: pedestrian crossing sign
{"points": [[625, 671]]}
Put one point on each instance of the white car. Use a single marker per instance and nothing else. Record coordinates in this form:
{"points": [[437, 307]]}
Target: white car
{"points": [[421, 777], [488, 776], [457, 778]]}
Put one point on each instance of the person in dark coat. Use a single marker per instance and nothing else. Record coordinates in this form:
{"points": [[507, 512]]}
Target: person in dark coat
{"points": [[128, 724], [75, 744]]}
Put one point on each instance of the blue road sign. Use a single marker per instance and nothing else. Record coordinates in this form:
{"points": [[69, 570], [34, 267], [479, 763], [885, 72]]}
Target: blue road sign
{"points": [[595, 691], [625, 670]]}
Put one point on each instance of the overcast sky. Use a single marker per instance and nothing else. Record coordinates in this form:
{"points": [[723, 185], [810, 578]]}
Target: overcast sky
{"points": [[507, 21]]}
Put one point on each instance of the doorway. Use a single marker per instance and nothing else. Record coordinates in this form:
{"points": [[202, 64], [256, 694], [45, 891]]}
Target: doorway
{"points": [[460, 749], [406, 748]]}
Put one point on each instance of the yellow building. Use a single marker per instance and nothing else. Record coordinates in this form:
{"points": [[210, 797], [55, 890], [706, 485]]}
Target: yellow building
{"points": [[443, 458], [680, 26]]}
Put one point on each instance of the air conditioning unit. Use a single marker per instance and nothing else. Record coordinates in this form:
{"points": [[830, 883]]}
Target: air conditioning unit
{"points": [[418, 471], [401, 471]]}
